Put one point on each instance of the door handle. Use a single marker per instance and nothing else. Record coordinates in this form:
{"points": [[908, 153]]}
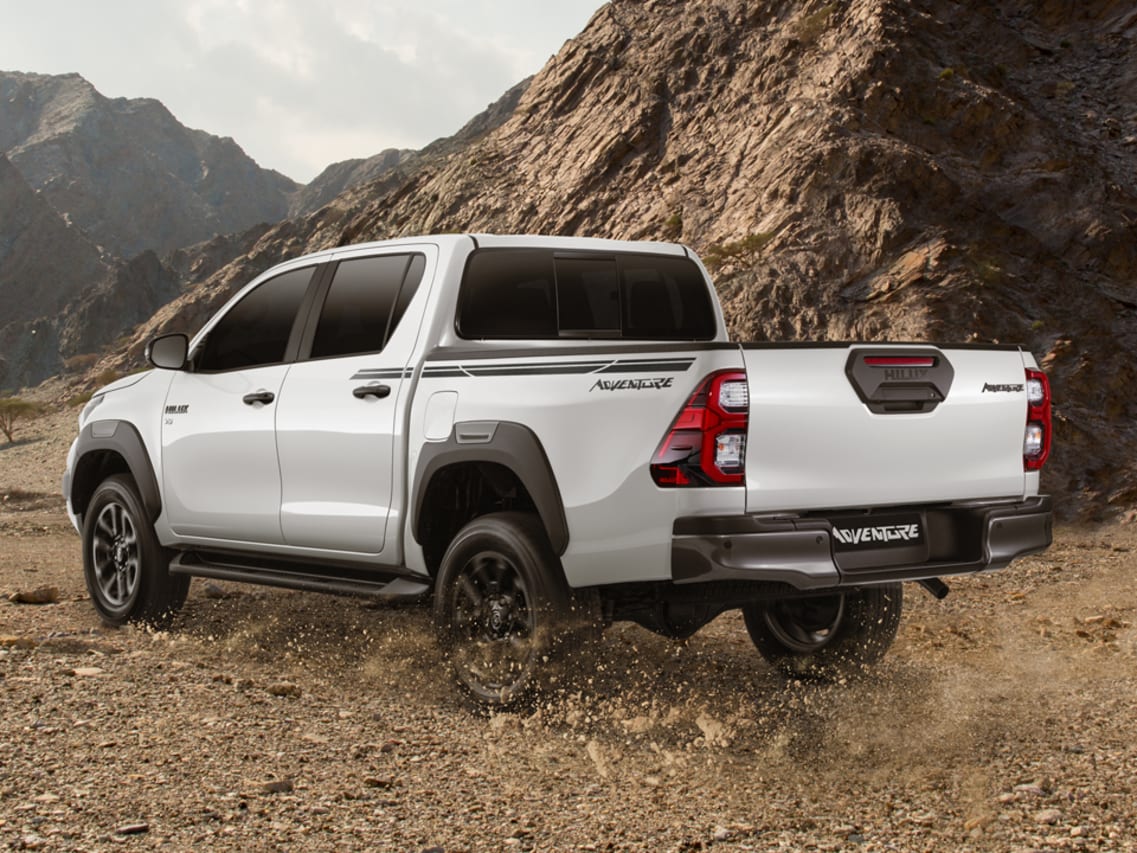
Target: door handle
{"points": [[379, 391], [259, 397]]}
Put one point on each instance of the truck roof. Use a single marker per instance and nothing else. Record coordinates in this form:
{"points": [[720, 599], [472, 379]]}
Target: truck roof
{"points": [[520, 241]]}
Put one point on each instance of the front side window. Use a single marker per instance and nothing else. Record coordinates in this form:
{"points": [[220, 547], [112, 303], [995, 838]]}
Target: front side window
{"points": [[256, 330], [365, 302]]}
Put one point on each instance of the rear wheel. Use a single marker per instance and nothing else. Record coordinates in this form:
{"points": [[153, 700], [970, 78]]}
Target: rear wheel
{"points": [[126, 568], [826, 636], [501, 606]]}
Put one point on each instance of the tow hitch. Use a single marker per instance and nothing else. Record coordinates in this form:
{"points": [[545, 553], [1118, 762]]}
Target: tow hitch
{"points": [[936, 587]]}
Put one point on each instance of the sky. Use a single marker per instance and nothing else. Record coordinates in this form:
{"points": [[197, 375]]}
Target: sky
{"points": [[299, 85]]}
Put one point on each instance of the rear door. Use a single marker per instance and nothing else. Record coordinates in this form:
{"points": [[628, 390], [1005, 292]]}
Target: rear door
{"points": [[876, 425], [342, 403]]}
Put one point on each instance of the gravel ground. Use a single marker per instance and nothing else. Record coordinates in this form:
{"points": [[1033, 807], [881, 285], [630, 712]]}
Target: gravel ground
{"points": [[1003, 719]]}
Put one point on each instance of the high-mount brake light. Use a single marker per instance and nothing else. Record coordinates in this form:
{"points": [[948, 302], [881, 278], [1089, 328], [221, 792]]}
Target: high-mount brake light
{"points": [[900, 361], [706, 444], [1036, 438]]}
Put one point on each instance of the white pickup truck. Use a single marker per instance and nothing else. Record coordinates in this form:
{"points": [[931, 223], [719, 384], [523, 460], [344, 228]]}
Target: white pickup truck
{"points": [[548, 434]]}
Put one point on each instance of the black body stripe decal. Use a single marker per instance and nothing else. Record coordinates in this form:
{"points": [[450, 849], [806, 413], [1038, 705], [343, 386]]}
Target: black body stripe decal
{"points": [[653, 366], [561, 368], [657, 351], [378, 373]]}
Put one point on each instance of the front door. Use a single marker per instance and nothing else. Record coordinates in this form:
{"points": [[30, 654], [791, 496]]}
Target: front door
{"points": [[219, 463]]}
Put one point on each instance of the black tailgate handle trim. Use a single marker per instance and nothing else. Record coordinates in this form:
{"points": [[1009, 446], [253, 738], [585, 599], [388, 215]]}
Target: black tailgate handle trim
{"points": [[900, 381]]}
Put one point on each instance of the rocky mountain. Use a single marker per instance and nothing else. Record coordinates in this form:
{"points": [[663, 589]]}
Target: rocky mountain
{"points": [[93, 190], [348, 174], [877, 169], [126, 171], [338, 177], [40, 253], [65, 323], [45, 262]]}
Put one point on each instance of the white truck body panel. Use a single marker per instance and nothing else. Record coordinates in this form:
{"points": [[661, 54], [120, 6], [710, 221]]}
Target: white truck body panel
{"points": [[220, 473], [600, 442], [341, 456], [813, 443]]}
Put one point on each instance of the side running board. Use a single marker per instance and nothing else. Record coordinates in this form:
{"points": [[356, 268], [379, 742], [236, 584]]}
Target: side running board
{"points": [[311, 578]]}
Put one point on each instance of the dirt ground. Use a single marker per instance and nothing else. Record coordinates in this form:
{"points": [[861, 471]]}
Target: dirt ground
{"points": [[1004, 719]]}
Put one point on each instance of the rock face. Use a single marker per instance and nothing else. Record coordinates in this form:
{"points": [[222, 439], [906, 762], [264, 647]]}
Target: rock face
{"points": [[126, 171], [341, 177], [88, 181], [44, 264], [344, 175], [878, 169], [111, 160]]}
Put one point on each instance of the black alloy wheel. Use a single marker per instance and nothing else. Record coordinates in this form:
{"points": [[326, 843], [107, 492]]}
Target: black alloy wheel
{"points": [[828, 636], [500, 607]]}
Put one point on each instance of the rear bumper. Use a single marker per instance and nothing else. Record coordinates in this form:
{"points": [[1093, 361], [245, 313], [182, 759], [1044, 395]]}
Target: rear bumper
{"points": [[958, 539]]}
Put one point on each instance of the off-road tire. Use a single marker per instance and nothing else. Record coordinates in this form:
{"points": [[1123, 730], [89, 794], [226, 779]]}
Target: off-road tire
{"points": [[503, 610], [126, 568], [826, 637]]}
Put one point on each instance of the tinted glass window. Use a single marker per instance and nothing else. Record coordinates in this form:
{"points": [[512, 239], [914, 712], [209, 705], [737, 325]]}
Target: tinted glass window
{"points": [[358, 305], [525, 293], [508, 294], [588, 294], [255, 331], [665, 298], [410, 287]]}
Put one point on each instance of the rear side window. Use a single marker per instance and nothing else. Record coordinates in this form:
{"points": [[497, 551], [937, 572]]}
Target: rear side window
{"points": [[665, 298], [256, 330], [588, 295], [508, 294], [365, 302], [533, 293]]}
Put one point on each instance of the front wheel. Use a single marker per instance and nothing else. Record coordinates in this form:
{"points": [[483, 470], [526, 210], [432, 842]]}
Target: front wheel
{"points": [[826, 636], [501, 606], [126, 568]]}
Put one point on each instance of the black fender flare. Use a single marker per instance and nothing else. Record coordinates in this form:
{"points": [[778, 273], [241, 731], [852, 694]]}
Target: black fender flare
{"points": [[513, 446], [122, 438]]}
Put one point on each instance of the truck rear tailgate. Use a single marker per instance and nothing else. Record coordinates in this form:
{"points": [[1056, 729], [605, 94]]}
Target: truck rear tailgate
{"points": [[861, 425]]}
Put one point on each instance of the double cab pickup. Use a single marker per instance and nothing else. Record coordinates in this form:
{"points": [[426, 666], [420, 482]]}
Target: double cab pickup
{"points": [[543, 435]]}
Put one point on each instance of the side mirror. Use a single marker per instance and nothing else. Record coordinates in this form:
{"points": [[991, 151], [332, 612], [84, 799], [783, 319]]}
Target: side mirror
{"points": [[168, 352]]}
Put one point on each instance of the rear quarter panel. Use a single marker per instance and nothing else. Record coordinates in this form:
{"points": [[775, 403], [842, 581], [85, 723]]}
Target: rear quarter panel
{"points": [[599, 437]]}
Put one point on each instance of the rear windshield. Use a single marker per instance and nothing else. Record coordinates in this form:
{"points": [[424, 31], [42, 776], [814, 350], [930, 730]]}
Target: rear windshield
{"points": [[540, 293]]}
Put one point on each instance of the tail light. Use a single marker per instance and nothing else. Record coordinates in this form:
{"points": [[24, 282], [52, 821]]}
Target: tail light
{"points": [[1036, 440], [706, 444]]}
